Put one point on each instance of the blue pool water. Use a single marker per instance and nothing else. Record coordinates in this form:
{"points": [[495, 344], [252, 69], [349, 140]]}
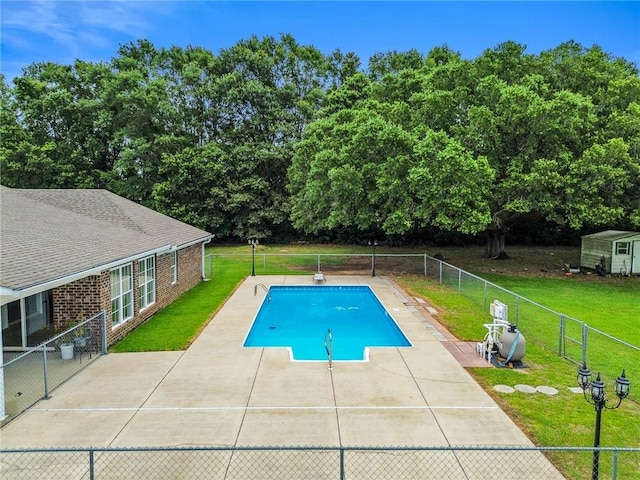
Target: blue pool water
{"points": [[299, 317]]}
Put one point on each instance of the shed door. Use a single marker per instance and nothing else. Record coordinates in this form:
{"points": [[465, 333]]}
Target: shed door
{"points": [[635, 260]]}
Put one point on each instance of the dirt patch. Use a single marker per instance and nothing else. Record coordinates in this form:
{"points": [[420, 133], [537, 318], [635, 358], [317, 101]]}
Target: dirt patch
{"points": [[524, 261], [527, 261]]}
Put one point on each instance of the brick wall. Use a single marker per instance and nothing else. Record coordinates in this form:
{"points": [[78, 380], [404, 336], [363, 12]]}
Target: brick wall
{"points": [[189, 275], [90, 295], [77, 300]]}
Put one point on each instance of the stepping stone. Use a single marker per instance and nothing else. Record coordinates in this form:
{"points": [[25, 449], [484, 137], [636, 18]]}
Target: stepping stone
{"points": [[525, 389], [547, 390], [503, 389], [575, 389]]}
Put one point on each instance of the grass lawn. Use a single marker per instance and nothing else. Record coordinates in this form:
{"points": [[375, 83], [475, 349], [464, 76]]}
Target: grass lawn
{"points": [[561, 420], [609, 306], [175, 327], [565, 419]]}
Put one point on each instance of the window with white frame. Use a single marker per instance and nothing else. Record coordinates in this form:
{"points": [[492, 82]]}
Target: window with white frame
{"points": [[147, 281], [121, 294], [623, 248], [174, 267]]}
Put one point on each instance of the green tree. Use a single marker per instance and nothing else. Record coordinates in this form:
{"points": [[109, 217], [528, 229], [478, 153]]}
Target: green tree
{"points": [[269, 133], [240, 113], [23, 163], [67, 128], [145, 119], [268, 91], [193, 190], [358, 168], [394, 62], [470, 146]]}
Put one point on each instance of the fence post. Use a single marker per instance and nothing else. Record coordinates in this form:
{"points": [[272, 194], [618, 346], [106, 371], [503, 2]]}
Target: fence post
{"points": [[440, 271], [561, 351], [103, 318], [46, 371], [319, 263], [264, 263], [517, 309], [459, 280], [485, 296], [584, 342], [425, 264], [91, 462], [614, 467], [341, 463]]}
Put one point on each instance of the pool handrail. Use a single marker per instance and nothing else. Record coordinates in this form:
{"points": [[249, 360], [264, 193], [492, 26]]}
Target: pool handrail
{"points": [[255, 291], [328, 346]]}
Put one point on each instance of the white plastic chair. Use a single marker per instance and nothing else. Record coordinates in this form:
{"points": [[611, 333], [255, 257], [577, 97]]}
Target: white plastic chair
{"points": [[319, 278]]}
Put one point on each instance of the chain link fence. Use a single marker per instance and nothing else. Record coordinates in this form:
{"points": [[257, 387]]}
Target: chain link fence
{"points": [[571, 338], [309, 263], [335, 463], [31, 375], [568, 337]]}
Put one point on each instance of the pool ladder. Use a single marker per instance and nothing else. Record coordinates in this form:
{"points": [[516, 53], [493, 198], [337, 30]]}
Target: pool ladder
{"points": [[255, 291], [328, 346]]}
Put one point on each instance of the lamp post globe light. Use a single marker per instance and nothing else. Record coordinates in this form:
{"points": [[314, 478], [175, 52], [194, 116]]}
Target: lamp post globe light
{"points": [[373, 245], [598, 399], [253, 242]]}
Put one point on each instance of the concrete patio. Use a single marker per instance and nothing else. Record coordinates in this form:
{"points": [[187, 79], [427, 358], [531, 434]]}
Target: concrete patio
{"points": [[219, 393]]}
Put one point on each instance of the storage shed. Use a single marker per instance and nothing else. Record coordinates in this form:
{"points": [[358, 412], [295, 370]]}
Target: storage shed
{"points": [[612, 251]]}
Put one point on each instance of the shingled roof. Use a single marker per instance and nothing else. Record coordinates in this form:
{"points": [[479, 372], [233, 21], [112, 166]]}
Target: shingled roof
{"points": [[50, 234]]}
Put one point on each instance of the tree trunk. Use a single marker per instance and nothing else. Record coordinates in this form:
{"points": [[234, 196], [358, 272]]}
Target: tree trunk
{"points": [[495, 245]]}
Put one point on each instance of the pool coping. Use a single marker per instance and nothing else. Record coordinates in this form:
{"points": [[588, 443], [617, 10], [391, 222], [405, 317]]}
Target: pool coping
{"points": [[324, 286]]}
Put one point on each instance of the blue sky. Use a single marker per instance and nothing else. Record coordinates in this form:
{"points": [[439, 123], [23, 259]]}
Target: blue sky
{"points": [[92, 30]]}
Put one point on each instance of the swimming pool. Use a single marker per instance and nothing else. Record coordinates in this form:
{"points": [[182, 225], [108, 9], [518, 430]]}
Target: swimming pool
{"points": [[299, 318]]}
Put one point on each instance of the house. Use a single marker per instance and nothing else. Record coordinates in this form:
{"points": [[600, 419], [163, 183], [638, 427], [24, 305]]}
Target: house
{"points": [[70, 254], [612, 251]]}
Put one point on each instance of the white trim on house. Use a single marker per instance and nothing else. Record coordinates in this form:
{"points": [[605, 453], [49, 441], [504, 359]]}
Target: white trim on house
{"points": [[203, 273], [146, 281], [123, 297], [203, 240], [623, 247], [174, 267], [9, 295]]}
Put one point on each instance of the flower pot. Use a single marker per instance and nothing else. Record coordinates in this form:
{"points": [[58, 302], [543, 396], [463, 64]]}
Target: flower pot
{"points": [[80, 341], [66, 351]]}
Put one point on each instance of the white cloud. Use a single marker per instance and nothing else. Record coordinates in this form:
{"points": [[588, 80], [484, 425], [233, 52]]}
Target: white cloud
{"points": [[125, 17], [62, 31], [38, 17]]}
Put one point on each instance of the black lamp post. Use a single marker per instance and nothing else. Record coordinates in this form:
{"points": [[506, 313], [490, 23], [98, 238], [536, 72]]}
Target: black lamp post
{"points": [[373, 244], [253, 242], [598, 400]]}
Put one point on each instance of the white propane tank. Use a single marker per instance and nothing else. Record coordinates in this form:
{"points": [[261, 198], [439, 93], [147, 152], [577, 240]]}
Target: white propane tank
{"points": [[507, 340]]}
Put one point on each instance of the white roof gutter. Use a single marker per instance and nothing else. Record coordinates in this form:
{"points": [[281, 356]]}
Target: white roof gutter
{"points": [[194, 242], [14, 294]]}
